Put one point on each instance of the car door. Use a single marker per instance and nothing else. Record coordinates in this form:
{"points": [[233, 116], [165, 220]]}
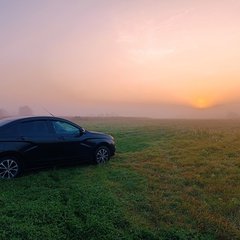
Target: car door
{"points": [[71, 141], [40, 144]]}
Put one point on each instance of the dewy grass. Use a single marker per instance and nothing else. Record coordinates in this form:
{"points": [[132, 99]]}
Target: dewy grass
{"points": [[170, 179]]}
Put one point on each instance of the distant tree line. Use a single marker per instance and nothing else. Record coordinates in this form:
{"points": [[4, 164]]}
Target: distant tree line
{"points": [[25, 111], [22, 111], [3, 113]]}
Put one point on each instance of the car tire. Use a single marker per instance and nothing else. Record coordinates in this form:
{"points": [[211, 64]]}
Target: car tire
{"points": [[10, 167], [101, 155]]}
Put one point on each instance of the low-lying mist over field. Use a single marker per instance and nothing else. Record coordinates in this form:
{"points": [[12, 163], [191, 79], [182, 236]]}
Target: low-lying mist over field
{"points": [[163, 111]]}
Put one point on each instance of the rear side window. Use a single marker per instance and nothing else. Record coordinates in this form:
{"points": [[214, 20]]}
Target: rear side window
{"points": [[10, 130], [33, 128]]}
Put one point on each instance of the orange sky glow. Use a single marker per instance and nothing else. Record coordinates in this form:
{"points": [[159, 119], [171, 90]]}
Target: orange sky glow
{"points": [[145, 58]]}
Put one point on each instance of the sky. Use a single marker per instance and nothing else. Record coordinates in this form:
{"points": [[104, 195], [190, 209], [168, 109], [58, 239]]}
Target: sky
{"points": [[139, 58]]}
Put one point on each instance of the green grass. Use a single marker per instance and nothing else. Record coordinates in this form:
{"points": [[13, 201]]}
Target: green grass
{"points": [[170, 179]]}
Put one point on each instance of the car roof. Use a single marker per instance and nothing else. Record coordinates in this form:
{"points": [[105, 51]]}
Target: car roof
{"points": [[7, 120]]}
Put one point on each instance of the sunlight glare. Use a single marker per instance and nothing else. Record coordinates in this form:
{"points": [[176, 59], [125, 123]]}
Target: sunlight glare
{"points": [[202, 103]]}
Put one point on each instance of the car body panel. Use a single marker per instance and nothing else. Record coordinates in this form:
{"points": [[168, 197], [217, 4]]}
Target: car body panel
{"points": [[37, 143]]}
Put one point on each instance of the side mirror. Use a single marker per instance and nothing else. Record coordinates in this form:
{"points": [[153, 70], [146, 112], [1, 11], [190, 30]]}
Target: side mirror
{"points": [[80, 133]]}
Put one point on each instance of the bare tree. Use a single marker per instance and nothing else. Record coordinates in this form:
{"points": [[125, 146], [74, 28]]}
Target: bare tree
{"points": [[25, 111], [3, 113]]}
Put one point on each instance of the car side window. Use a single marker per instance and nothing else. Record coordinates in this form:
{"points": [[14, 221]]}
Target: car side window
{"points": [[64, 128], [10, 130], [33, 128]]}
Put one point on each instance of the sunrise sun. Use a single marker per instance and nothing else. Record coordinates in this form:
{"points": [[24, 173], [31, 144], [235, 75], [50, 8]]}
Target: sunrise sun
{"points": [[202, 103]]}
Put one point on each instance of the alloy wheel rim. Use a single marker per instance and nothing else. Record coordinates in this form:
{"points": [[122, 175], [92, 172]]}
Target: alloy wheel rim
{"points": [[8, 168], [102, 156]]}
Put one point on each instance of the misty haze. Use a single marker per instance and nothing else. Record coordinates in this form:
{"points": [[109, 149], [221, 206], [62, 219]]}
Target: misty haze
{"points": [[157, 59], [160, 79], [162, 111]]}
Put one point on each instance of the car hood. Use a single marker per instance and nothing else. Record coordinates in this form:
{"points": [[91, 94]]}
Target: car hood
{"points": [[97, 134]]}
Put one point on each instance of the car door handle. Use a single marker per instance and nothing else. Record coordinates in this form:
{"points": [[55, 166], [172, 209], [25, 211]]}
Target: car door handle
{"points": [[62, 138], [21, 138]]}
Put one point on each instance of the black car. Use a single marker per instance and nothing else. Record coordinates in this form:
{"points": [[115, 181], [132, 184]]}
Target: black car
{"points": [[33, 142]]}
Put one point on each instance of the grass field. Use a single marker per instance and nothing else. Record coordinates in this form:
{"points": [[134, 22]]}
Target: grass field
{"points": [[170, 179]]}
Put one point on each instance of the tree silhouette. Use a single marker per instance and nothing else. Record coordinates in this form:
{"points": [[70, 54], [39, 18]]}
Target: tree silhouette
{"points": [[25, 111], [3, 113]]}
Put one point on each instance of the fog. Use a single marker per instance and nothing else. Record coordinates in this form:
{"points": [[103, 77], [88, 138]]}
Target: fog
{"points": [[162, 111], [139, 58]]}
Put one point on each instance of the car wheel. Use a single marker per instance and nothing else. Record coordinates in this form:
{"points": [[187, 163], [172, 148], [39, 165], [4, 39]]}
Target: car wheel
{"points": [[102, 155], [9, 168]]}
